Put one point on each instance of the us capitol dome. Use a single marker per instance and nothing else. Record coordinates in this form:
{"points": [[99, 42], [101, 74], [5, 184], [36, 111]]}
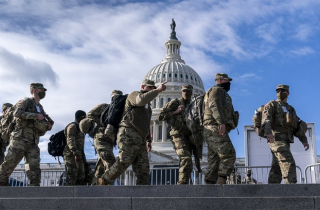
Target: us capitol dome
{"points": [[173, 70]]}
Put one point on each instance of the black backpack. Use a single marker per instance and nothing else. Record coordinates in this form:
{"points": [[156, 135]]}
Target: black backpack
{"points": [[113, 113], [57, 143]]}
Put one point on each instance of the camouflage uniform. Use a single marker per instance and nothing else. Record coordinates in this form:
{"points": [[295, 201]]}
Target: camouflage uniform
{"points": [[3, 142], [24, 140], [274, 122], [179, 134], [102, 143], [134, 131], [74, 147], [221, 153]]}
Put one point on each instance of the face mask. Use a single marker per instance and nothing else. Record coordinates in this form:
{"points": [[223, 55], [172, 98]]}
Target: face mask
{"points": [[282, 95], [41, 95], [144, 91], [225, 85], [186, 95]]}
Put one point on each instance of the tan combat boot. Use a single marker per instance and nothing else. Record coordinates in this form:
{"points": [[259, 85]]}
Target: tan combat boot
{"points": [[100, 181], [222, 180]]}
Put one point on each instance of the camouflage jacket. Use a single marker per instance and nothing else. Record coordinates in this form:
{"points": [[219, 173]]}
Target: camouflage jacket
{"points": [[176, 123], [137, 112], [274, 119], [96, 112], [218, 108], [249, 180], [26, 116], [75, 140]]}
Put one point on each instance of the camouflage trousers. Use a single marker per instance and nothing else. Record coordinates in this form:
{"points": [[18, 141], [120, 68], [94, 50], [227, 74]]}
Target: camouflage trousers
{"points": [[183, 150], [3, 147], [17, 150], [104, 148], [283, 164], [75, 171], [221, 154], [132, 150]]}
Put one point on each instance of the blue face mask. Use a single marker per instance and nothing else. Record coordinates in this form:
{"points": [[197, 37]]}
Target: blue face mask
{"points": [[225, 86]]}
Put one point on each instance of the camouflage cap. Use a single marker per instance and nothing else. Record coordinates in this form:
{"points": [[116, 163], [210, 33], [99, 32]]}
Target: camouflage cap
{"points": [[6, 105], [116, 92], [223, 76], [286, 87], [37, 85], [149, 83], [187, 87]]}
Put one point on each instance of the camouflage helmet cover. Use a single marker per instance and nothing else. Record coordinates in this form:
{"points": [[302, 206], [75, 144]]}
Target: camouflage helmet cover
{"points": [[85, 125], [149, 83]]}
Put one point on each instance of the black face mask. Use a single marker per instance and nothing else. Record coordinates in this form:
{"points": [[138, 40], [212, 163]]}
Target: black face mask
{"points": [[225, 86], [143, 91]]}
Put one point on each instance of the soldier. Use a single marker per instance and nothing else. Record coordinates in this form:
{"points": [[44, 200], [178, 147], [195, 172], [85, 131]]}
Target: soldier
{"points": [[31, 122], [103, 144], [133, 137], [173, 113], [280, 123], [235, 179], [218, 121], [249, 180], [72, 153], [4, 143]]}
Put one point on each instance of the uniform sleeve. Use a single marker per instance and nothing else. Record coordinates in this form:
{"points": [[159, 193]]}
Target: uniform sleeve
{"points": [[71, 139], [302, 138], [144, 98], [166, 111], [47, 116], [267, 114], [96, 112], [215, 100], [22, 114]]}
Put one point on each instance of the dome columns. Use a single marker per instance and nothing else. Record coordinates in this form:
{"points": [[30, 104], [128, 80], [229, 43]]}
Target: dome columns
{"points": [[173, 51]]}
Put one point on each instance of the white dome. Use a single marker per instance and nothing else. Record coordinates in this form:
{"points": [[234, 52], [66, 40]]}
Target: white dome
{"points": [[175, 72]]}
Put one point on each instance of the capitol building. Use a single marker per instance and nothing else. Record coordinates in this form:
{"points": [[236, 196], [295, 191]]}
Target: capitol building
{"points": [[173, 70]]}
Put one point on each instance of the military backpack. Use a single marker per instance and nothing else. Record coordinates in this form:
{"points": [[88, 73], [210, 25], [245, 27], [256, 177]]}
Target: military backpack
{"points": [[257, 121], [113, 113], [57, 142], [7, 123]]}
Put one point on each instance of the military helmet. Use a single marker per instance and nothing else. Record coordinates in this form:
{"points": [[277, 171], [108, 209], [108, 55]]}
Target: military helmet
{"points": [[302, 129], [85, 125], [6, 105]]}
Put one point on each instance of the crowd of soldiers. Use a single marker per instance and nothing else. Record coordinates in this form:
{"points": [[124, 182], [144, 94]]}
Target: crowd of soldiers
{"points": [[134, 140]]}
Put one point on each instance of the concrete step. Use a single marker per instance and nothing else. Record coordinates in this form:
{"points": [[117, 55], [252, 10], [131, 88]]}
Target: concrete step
{"points": [[291, 197]]}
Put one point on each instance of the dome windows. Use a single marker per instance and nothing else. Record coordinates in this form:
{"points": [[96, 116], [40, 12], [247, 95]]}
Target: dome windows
{"points": [[175, 75], [191, 77], [186, 76], [169, 99], [161, 102], [181, 76], [169, 74]]}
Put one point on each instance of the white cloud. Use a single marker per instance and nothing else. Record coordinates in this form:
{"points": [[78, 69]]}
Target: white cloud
{"points": [[270, 32], [303, 32], [302, 51]]}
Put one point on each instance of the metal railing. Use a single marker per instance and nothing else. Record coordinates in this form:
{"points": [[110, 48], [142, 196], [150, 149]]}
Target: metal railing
{"points": [[259, 173], [168, 176], [312, 173], [48, 178]]}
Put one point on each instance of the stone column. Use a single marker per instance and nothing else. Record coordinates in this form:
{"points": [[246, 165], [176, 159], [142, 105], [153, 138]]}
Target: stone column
{"points": [[154, 131], [164, 132]]}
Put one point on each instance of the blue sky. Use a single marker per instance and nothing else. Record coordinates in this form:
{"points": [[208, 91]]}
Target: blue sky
{"points": [[82, 50]]}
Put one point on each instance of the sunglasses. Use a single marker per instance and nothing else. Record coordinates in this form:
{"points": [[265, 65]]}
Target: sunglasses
{"points": [[281, 90]]}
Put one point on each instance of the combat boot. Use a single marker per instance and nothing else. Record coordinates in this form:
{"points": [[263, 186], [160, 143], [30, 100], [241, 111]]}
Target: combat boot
{"points": [[222, 180], [100, 181]]}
